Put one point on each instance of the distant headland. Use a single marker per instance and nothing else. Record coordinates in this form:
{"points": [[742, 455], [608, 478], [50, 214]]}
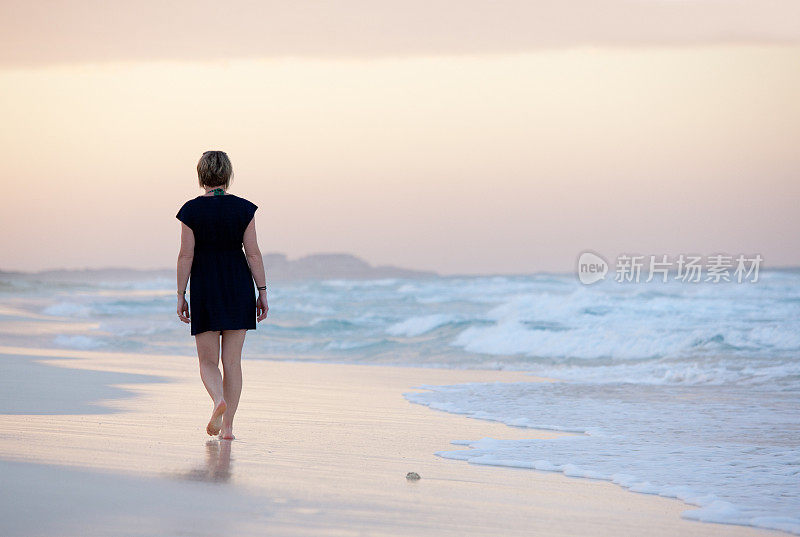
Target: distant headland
{"points": [[278, 267]]}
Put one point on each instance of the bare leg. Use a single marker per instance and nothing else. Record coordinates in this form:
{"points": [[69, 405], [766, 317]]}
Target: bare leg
{"points": [[232, 343], [208, 354]]}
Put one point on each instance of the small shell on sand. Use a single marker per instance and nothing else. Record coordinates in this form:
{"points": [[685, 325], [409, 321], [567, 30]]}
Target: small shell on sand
{"points": [[412, 476]]}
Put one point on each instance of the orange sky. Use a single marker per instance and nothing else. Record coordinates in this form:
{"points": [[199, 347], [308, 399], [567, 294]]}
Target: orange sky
{"points": [[466, 152]]}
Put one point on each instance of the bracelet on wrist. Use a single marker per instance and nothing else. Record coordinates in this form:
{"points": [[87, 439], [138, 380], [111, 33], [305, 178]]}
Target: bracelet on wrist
{"points": [[262, 288]]}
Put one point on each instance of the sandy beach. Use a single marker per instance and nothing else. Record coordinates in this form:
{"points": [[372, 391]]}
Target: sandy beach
{"points": [[98, 443]]}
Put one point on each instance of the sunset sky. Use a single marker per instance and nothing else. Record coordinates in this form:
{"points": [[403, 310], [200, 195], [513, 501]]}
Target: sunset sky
{"points": [[461, 137]]}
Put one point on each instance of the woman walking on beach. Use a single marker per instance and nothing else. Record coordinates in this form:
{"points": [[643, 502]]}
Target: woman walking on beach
{"points": [[214, 226]]}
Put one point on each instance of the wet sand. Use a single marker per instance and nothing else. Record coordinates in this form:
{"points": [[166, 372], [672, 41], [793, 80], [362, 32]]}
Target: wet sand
{"points": [[97, 443]]}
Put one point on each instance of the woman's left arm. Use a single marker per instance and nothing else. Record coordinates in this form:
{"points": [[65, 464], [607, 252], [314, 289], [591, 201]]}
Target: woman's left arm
{"points": [[185, 258]]}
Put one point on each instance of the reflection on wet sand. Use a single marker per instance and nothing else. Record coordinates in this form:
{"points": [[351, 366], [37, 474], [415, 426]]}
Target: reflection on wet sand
{"points": [[217, 465]]}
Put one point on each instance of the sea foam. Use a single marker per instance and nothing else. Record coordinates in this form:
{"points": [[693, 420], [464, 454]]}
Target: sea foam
{"points": [[736, 458]]}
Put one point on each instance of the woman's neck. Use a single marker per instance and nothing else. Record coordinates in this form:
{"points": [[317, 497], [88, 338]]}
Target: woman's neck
{"points": [[210, 190]]}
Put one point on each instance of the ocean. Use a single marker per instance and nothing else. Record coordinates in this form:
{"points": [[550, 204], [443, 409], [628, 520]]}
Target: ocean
{"points": [[687, 390]]}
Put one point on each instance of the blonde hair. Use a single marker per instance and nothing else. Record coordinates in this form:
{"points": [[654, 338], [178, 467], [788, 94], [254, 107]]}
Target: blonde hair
{"points": [[214, 169]]}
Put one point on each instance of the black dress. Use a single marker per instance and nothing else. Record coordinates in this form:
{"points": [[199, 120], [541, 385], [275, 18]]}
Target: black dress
{"points": [[222, 291]]}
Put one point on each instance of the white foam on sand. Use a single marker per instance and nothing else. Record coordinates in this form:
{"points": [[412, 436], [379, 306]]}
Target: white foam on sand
{"points": [[733, 456]]}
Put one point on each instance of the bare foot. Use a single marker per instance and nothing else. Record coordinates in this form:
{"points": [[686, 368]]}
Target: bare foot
{"points": [[226, 435], [215, 423]]}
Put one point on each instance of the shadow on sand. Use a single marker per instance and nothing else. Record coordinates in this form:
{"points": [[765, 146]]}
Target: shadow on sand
{"points": [[28, 386]]}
